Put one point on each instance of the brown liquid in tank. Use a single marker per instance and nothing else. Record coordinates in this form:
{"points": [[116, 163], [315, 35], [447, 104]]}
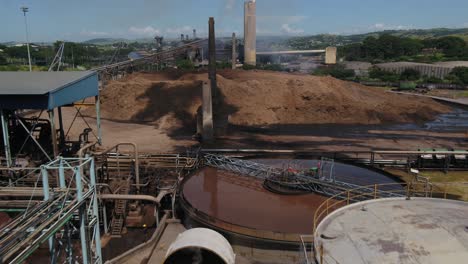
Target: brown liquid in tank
{"points": [[242, 200]]}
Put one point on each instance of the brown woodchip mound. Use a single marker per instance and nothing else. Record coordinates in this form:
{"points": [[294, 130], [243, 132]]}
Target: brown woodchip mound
{"points": [[261, 98]]}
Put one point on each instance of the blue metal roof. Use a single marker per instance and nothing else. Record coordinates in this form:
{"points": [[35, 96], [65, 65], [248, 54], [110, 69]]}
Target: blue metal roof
{"points": [[45, 90]]}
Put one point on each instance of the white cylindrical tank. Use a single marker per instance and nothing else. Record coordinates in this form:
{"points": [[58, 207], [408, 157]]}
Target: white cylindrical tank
{"points": [[202, 239]]}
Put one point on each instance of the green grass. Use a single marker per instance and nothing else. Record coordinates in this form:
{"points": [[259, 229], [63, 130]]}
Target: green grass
{"points": [[452, 181], [22, 68], [461, 94]]}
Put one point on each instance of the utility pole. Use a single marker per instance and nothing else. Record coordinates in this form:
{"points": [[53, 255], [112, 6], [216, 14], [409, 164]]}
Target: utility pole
{"points": [[25, 10]]}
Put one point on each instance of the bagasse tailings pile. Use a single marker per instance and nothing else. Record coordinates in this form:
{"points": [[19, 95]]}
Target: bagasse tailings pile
{"points": [[261, 98]]}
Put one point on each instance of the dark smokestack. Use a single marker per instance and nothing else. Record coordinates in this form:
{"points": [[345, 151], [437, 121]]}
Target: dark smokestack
{"points": [[212, 53], [181, 37], [186, 37], [234, 53], [194, 34]]}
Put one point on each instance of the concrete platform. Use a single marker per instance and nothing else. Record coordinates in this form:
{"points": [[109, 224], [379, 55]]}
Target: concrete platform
{"points": [[170, 234], [463, 102], [421, 230]]}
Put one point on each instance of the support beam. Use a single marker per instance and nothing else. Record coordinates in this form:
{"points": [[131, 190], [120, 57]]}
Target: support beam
{"points": [[98, 119], [53, 132], [330, 55], [82, 214], [6, 139], [207, 105], [97, 232], [61, 129]]}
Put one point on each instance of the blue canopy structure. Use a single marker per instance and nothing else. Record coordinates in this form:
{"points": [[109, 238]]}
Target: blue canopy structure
{"points": [[46, 90]]}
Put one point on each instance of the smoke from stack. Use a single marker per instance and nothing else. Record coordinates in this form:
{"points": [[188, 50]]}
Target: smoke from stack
{"points": [[250, 33]]}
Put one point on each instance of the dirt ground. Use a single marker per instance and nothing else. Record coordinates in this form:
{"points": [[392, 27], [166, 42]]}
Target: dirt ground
{"points": [[262, 109]]}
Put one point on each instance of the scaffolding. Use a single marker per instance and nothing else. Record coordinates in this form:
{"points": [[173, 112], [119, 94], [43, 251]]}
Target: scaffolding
{"points": [[68, 211]]}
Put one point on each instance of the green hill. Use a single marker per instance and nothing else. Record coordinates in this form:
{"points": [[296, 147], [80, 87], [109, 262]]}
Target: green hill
{"points": [[324, 40]]}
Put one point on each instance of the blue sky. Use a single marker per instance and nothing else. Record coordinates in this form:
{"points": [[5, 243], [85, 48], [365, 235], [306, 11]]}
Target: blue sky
{"points": [[78, 20]]}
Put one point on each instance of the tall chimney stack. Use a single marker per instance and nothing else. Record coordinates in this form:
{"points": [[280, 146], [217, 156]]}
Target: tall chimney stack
{"points": [[250, 34], [194, 34]]}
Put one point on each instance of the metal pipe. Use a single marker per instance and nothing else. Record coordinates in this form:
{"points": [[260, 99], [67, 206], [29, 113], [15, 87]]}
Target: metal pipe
{"points": [[61, 174], [45, 187], [82, 213], [290, 52], [140, 197]]}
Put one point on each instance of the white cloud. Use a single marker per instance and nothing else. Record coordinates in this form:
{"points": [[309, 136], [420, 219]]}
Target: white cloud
{"points": [[229, 4], [261, 31], [382, 26], [179, 30], [91, 33], [379, 26], [286, 28], [147, 31]]}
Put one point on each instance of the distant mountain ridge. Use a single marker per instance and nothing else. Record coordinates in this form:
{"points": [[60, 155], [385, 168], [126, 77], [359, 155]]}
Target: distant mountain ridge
{"points": [[316, 40], [105, 41]]}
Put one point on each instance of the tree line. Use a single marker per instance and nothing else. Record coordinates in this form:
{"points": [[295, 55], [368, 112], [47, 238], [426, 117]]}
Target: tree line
{"points": [[392, 48], [82, 54]]}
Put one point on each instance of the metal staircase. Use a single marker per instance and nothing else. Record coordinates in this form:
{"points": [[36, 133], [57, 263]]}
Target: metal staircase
{"points": [[120, 211]]}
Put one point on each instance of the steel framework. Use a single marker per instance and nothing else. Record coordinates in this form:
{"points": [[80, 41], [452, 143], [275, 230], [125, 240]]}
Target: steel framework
{"points": [[74, 202], [297, 180], [112, 69], [57, 62]]}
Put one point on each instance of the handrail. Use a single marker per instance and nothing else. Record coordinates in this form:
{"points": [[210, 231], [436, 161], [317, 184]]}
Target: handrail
{"points": [[137, 163], [335, 202], [410, 190]]}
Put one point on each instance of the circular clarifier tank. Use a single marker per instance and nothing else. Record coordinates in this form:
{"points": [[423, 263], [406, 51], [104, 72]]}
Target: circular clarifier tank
{"points": [[240, 205], [395, 230]]}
